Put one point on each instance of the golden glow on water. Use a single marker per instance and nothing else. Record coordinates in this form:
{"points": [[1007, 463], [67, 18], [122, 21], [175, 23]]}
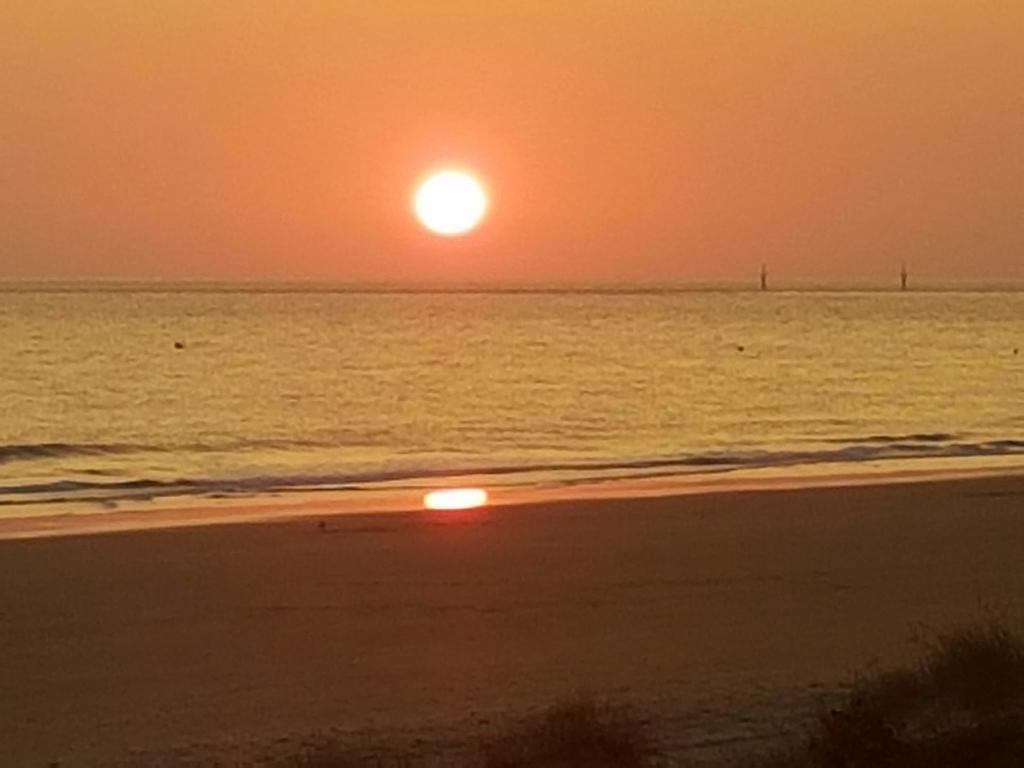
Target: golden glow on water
{"points": [[455, 498], [346, 390]]}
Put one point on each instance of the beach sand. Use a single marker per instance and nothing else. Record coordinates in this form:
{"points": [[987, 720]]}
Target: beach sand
{"points": [[719, 616]]}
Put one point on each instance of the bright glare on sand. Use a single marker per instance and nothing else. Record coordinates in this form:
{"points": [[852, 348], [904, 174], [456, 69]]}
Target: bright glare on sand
{"points": [[450, 203], [455, 498]]}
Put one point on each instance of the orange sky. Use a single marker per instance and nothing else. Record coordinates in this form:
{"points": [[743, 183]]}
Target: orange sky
{"points": [[638, 141]]}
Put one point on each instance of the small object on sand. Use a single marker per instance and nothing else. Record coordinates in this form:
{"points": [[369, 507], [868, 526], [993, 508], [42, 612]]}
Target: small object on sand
{"points": [[740, 348], [179, 345], [322, 525], [1016, 351]]}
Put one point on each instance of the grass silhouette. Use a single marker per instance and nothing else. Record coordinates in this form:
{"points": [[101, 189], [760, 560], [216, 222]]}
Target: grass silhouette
{"points": [[576, 732], [960, 706]]}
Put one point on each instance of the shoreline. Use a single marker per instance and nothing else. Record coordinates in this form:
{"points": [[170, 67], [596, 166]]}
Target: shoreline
{"points": [[248, 511]]}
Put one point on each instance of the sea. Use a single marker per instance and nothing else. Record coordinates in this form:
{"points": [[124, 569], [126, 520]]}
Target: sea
{"points": [[147, 397]]}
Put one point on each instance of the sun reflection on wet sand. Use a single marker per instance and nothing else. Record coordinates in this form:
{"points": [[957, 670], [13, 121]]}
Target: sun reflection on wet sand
{"points": [[455, 498]]}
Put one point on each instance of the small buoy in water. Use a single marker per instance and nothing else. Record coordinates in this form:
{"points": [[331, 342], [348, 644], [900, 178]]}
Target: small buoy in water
{"points": [[322, 526], [179, 345]]}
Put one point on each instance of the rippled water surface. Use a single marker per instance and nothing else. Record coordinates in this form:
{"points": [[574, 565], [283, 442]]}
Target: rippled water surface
{"points": [[286, 391]]}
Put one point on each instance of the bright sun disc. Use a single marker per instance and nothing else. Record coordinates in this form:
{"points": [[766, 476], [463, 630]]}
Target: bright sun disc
{"points": [[450, 203], [455, 498]]}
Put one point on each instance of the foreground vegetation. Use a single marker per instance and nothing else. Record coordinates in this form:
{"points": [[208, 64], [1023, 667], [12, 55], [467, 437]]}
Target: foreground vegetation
{"points": [[579, 733], [960, 706]]}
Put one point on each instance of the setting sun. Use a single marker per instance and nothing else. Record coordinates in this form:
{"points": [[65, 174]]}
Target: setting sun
{"points": [[450, 203]]}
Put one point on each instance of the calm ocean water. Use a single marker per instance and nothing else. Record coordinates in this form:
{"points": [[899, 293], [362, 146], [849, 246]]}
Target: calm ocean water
{"points": [[282, 394]]}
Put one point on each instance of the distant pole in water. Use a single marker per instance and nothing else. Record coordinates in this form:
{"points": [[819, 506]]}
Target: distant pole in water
{"points": [[903, 277], [764, 277]]}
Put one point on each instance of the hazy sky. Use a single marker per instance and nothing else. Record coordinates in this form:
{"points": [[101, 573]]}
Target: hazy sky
{"points": [[622, 141]]}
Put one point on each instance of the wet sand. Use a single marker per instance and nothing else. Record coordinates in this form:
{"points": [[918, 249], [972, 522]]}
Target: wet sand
{"points": [[719, 615]]}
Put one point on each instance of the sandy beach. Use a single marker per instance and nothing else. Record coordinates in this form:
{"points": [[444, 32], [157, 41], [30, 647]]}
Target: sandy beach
{"points": [[720, 616]]}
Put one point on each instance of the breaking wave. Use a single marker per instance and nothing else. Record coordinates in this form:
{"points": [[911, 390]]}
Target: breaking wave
{"points": [[870, 448]]}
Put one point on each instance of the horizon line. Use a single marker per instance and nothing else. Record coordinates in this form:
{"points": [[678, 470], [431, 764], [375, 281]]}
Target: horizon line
{"points": [[311, 285]]}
